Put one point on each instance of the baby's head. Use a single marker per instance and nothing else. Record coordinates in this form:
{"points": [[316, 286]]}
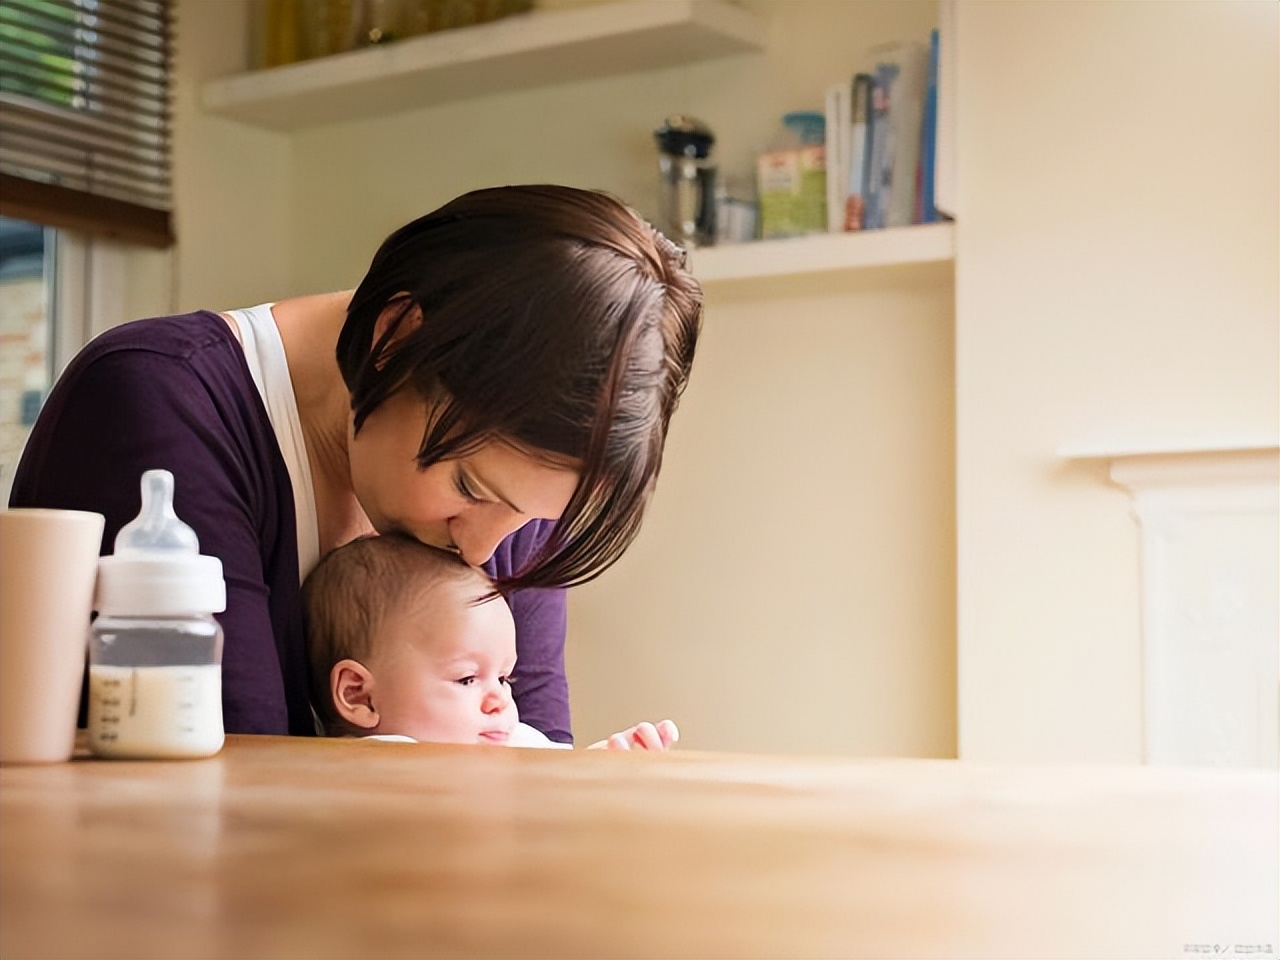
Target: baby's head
{"points": [[402, 640]]}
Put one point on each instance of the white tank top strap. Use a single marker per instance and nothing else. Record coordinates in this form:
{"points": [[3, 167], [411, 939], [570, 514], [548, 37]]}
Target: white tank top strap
{"points": [[264, 352]]}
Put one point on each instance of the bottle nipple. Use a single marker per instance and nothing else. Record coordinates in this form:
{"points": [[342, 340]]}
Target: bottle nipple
{"points": [[157, 569], [156, 528]]}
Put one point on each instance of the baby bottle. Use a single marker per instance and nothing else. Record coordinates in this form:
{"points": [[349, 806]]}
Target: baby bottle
{"points": [[155, 651]]}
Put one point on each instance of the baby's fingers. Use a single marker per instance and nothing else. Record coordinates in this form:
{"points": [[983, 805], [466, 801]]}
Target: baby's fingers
{"points": [[669, 732], [645, 736], [618, 741], [649, 736]]}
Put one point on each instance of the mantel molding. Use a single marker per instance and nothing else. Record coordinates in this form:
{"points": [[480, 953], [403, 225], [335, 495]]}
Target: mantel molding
{"points": [[1191, 473], [1199, 480]]}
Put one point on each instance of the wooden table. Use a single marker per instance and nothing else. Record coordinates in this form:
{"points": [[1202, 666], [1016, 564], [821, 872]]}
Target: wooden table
{"points": [[309, 848]]}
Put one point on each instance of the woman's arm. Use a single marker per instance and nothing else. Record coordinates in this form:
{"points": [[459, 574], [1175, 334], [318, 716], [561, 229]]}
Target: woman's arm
{"points": [[117, 413], [539, 685]]}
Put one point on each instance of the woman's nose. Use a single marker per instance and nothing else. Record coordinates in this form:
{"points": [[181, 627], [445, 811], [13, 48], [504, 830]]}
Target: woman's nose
{"points": [[477, 538]]}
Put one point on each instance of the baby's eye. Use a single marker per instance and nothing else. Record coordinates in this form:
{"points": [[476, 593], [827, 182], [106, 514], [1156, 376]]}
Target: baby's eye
{"points": [[467, 681], [508, 680]]}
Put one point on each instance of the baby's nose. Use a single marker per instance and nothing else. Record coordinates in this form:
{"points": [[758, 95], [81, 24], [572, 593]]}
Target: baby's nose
{"points": [[497, 699]]}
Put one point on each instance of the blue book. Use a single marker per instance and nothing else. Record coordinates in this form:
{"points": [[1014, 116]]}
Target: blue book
{"points": [[880, 148], [901, 76], [928, 213]]}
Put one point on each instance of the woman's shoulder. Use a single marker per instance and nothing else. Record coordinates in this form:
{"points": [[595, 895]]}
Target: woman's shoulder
{"points": [[181, 335], [515, 552], [165, 386], [182, 358]]}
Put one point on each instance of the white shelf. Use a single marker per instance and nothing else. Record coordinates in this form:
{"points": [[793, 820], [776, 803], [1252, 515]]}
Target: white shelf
{"points": [[826, 252], [1171, 448], [518, 52]]}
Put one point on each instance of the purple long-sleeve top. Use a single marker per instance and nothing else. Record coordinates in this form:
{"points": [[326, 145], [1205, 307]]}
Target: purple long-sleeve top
{"points": [[176, 393]]}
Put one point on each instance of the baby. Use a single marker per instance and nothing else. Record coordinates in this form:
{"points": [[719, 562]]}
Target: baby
{"points": [[403, 645]]}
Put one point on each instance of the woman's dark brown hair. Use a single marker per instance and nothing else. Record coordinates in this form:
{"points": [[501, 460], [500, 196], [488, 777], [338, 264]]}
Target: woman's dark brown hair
{"points": [[554, 319]]}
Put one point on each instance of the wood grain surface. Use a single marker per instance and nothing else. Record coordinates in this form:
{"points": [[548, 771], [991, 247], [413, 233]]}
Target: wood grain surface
{"points": [[286, 848]]}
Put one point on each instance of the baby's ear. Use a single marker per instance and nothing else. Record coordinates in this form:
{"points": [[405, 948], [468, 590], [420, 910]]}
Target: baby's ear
{"points": [[351, 686]]}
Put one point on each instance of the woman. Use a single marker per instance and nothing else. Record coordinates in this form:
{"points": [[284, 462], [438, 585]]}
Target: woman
{"points": [[499, 385]]}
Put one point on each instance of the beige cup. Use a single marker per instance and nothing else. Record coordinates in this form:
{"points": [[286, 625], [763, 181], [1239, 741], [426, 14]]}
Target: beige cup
{"points": [[48, 564]]}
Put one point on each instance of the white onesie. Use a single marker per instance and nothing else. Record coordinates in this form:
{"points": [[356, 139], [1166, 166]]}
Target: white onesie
{"points": [[522, 736]]}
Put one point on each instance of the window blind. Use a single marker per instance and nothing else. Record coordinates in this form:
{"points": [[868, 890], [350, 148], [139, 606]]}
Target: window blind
{"points": [[84, 116]]}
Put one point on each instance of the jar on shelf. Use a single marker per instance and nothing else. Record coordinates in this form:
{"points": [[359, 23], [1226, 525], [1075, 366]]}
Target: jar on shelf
{"points": [[282, 32], [686, 181]]}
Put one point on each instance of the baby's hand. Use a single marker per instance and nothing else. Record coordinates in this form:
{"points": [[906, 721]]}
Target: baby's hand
{"points": [[643, 736]]}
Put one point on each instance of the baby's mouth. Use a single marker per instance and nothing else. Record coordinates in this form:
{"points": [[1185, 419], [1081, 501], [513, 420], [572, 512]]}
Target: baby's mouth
{"points": [[495, 736]]}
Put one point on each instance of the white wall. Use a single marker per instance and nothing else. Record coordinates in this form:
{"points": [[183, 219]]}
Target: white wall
{"points": [[792, 588], [1116, 286]]}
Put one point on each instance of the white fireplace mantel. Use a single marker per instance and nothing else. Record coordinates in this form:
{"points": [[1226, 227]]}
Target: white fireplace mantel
{"points": [[1209, 518]]}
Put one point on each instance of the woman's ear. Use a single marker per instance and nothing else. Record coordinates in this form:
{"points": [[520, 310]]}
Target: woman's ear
{"points": [[351, 687], [407, 324]]}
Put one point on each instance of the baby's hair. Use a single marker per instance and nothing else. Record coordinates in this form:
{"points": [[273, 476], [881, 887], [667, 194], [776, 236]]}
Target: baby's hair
{"points": [[355, 588]]}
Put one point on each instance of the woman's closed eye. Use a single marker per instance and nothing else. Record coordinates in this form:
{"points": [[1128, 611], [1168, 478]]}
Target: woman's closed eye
{"points": [[463, 486]]}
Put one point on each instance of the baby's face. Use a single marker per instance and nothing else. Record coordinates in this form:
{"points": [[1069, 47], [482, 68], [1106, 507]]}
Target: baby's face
{"points": [[442, 668]]}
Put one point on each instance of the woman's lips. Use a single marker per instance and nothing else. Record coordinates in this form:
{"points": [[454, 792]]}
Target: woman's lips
{"points": [[495, 736]]}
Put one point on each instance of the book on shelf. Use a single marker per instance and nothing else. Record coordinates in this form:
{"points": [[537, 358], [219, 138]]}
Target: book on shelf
{"points": [[838, 114], [926, 211], [881, 140], [944, 168], [902, 73], [847, 109], [860, 110], [879, 147]]}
